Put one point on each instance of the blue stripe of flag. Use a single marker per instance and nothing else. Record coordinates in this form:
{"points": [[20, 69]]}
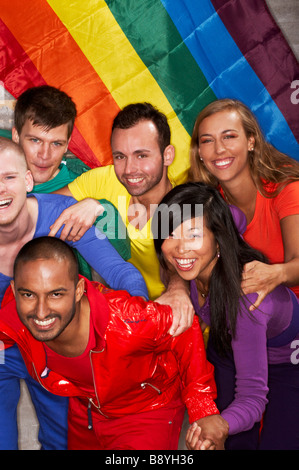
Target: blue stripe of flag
{"points": [[226, 69]]}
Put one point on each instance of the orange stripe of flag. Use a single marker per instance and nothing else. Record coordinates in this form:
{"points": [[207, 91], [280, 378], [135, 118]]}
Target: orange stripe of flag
{"points": [[58, 58]]}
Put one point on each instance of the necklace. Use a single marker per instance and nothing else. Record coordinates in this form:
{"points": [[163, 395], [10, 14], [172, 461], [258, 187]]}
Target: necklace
{"points": [[203, 294]]}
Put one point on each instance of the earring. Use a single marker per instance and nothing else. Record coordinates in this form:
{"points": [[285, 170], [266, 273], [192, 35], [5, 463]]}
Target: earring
{"points": [[218, 253]]}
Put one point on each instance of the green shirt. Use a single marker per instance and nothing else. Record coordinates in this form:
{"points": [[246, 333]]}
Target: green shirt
{"points": [[70, 168]]}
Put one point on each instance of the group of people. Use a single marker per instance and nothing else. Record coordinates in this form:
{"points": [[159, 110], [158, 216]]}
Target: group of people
{"points": [[110, 284]]}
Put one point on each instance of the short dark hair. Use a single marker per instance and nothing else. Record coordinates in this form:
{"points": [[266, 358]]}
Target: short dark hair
{"points": [[225, 283], [134, 113], [45, 106], [47, 248]]}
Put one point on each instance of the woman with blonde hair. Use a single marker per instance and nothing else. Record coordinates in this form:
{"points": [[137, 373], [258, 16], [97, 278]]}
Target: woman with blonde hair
{"points": [[229, 151]]}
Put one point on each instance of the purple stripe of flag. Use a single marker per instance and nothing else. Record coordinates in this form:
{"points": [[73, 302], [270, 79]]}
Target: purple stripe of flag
{"points": [[266, 50]]}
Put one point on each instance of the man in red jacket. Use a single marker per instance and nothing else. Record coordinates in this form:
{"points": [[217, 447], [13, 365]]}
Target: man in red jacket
{"points": [[128, 379]]}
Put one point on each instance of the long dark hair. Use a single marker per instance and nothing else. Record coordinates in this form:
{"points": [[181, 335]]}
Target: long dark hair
{"points": [[225, 283]]}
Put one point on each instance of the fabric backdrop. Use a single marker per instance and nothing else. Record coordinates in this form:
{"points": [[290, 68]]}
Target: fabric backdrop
{"points": [[177, 54]]}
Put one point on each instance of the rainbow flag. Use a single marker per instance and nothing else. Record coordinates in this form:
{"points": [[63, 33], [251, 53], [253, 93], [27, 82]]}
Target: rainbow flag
{"points": [[177, 54]]}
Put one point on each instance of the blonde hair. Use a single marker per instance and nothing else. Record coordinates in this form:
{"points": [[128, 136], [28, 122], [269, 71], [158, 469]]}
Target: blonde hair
{"points": [[7, 145], [266, 163]]}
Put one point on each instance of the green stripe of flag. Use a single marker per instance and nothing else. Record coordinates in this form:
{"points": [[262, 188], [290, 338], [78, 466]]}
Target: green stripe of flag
{"points": [[156, 40]]}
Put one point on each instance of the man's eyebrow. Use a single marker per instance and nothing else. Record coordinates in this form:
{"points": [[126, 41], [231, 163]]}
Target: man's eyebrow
{"points": [[136, 152], [59, 289], [141, 150], [4, 173], [40, 138]]}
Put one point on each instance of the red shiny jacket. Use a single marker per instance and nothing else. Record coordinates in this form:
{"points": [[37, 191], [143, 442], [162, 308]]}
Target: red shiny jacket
{"points": [[137, 366]]}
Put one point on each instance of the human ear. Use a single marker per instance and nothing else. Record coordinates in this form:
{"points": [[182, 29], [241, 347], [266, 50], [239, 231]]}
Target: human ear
{"points": [[15, 136], [67, 145], [251, 143], [12, 285], [80, 287], [168, 155], [198, 152], [29, 181]]}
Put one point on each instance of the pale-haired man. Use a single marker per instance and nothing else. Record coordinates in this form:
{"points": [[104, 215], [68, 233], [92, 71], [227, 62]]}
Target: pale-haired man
{"points": [[22, 218]]}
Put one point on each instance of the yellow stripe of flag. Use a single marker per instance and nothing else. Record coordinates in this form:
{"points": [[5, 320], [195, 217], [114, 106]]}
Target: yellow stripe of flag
{"points": [[108, 50]]}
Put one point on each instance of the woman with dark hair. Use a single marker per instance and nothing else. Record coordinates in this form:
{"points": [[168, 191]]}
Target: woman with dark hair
{"points": [[254, 353], [229, 152]]}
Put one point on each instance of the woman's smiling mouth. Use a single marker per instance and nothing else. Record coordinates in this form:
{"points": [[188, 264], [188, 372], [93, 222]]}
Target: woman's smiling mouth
{"points": [[185, 264]]}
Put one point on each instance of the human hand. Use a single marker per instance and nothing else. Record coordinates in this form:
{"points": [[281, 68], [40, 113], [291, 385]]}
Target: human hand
{"points": [[77, 219], [182, 309], [194, 440], [207, 432], [260, 278]]}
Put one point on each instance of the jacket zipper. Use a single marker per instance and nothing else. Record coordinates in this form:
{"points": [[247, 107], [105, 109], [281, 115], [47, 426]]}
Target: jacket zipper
{"points": [[89, 414], [90, 401], [144, 384], [38, 379]]}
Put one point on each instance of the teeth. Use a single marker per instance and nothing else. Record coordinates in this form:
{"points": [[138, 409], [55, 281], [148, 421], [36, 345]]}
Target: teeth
{"points": [[222, 162], [5, 202], [134, 180], [185, 262], [45, 322]]}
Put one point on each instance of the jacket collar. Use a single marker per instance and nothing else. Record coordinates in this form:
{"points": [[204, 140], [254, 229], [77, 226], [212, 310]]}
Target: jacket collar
{"points": [[12, 330], [99, 310]]}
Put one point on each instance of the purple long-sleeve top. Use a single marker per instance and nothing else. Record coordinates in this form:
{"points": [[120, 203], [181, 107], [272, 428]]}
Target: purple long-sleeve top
{"points": [[278, 315]]}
